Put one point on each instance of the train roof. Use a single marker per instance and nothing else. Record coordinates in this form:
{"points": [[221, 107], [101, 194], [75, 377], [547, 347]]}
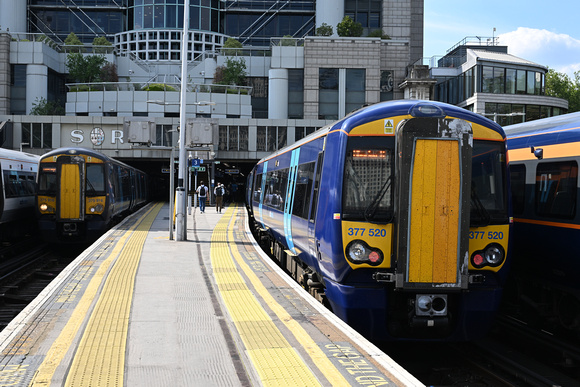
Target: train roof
{"points": [[85, 151], [552, 130], [391, 109], [22, 156]]}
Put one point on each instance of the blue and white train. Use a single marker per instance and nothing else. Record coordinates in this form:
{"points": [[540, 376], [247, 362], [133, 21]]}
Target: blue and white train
{"points": [[397, 217]]}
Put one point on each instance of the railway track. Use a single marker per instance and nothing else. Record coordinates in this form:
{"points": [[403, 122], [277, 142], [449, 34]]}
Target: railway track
{"points": [[25, 274]]}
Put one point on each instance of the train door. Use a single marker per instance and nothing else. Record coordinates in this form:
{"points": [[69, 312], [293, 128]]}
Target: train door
{"points": [[70, 172], [433, 194], [312, 241]]}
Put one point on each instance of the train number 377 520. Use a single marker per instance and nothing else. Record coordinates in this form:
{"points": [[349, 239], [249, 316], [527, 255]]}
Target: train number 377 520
{"points": [[483, 234], [372, 232]]}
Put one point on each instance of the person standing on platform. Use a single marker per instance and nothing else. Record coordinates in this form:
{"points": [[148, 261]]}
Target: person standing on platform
{"points": [[219, 192], [202, 194]]}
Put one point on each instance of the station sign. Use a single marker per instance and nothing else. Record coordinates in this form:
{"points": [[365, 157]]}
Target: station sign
{"points": [[232, 171]]}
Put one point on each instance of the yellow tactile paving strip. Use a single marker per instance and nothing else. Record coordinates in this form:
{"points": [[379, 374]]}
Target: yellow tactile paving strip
{"points": [[104, 338], [100, 356], [275, 360]]}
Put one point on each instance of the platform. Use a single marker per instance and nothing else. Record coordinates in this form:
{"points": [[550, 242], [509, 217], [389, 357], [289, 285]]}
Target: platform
{"points": [[138, 309]]}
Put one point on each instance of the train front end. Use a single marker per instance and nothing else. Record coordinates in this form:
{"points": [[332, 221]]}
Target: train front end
{"points": [[72, 197], [424, 225]]}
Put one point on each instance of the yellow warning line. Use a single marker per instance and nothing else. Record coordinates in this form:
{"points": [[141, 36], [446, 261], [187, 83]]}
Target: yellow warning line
{"points": [[267, 347], [100, 356], [62, 344]]}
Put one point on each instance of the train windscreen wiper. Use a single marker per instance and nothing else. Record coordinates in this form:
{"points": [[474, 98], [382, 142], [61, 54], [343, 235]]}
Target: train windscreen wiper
{"points": [[372, 208], [90, 186]]}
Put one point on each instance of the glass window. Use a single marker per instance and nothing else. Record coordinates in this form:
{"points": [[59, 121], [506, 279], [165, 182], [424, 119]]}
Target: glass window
{"points": [[328, 93], [47, 179], [488, 197], [556, 188], [518, 185], [275, 189], [233, 138], [95, 179], [367, 189], [387, 85], [243, 144], [521, 82], [223, 137], [295, 93], [487, 79], [304, 179], [510, 81], [261, 139], [355, 89]]}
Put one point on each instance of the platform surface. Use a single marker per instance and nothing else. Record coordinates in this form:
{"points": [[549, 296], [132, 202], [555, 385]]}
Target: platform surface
{"points": [[138, 309]]}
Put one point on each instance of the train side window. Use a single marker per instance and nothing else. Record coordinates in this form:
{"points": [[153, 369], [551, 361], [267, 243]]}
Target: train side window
{"points": [[257, 187], [276, 183], [556, 189], [304, 180], [518, 186], [11, 184]]}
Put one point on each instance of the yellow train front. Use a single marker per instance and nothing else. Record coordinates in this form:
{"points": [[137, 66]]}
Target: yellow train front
{"points": [[397, 217], [81, 193]]}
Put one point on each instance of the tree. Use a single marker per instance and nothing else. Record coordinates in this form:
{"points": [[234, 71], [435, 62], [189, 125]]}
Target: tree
{"points": [[43, 107], [109, 73], [378, 34], [232, 47], [562, 86], [85, 69], [232, 73], [101, 41], [348, 27], [324, 30], [73, 40]]}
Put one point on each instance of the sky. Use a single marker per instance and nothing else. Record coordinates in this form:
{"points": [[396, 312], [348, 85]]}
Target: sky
{"points": [[544, 32]]}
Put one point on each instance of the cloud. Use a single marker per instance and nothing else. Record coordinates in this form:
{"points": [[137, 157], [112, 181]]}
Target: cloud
{"points": [[558, 51]]}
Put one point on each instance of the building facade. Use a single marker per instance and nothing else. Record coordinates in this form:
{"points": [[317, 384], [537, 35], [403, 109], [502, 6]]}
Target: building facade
{"points": [[480, 75], [296, 81]]}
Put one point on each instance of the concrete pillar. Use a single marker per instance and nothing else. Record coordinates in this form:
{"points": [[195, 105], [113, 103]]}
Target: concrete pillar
{"points": [[13, 15], [36, 84], [278, 94], [4, 73], [330, 12]]}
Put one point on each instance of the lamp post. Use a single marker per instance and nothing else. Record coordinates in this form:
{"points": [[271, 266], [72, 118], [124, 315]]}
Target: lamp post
{"points": [[180, 225]]}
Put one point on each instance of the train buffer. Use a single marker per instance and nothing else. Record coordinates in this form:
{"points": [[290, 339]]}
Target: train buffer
{"points": [[137, 309]]}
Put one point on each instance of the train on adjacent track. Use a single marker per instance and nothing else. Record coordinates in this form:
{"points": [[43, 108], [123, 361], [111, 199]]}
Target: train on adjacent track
{"points": [[397, 217], [543, 158], [82, 192], [18, 186]]}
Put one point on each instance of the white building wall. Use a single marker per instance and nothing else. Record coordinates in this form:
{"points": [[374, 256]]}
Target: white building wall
{"points": [[13, 15]]}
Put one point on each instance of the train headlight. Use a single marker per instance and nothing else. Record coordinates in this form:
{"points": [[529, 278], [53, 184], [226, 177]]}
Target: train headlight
{"points": [[96, 209], [492, 255], [43, 207], [359, 252]]}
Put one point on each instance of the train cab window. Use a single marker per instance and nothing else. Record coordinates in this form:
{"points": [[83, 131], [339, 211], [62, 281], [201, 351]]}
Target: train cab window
{"points": [[47, 179], [556, 189], [368, 170], [95, 179], [488, 179], [518, 185]]}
